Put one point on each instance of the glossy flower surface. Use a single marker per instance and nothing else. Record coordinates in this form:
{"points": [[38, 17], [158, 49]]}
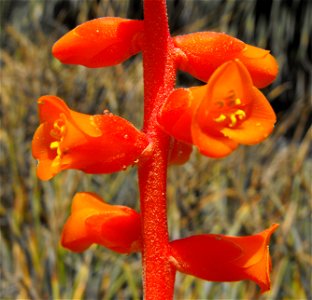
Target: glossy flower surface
{"points": [[219, 116], [94, 221], [100, 42], [203, 52], [216, 257], [95, 144]]}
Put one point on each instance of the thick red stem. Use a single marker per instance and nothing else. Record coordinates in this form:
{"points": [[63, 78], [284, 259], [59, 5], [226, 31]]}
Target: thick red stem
{"points": [[159, 80]]}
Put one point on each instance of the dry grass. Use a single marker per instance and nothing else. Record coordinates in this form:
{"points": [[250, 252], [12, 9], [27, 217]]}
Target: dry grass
{"points": [[242, 194]]}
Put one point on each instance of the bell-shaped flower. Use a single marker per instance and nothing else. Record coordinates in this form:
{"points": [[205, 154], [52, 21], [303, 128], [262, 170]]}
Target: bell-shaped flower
{"points": [[95, 144], [202, 53], [100, 42], [94, 221], [217, 257], [217, 117]]}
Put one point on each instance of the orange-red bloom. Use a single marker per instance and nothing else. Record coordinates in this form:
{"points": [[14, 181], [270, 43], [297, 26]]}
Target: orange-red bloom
{"points": [[217, 257], [99, 43], [203, 52], [95, 144], [94, 221], [217, 117]]}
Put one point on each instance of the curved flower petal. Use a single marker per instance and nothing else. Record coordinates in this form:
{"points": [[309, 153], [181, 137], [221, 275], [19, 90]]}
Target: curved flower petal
{"points": [[101, 42], [216, 257], [94, 221], [261, 65], [94, 144], [176, 114], [215, 146], [203, 52]]}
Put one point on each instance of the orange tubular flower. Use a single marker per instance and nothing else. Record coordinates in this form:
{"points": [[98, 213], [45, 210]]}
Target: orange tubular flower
{"points": [[217, 117], [101, 42], [203, 52], [94, 221], [217, 257], [95, 144]]}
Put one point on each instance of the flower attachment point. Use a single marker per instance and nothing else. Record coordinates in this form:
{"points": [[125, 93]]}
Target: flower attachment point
{"points": [[94, 221], [217, 257], [95, 144]]}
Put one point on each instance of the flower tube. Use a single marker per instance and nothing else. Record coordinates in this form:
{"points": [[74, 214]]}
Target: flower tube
{"points": [[100, 42], [217, 257], [95, 144], [202, 53], [94, 221]]}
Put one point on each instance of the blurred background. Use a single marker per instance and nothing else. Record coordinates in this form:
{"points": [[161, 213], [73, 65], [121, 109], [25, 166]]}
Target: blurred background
{"points": [[239, 195]]}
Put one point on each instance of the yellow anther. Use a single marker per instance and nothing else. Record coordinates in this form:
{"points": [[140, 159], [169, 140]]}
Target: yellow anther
{"points": [[220, 119], [54, 145], [59, 152], [237, 101], [240, 114], [56, 125], [56, 162], [233, 120]]}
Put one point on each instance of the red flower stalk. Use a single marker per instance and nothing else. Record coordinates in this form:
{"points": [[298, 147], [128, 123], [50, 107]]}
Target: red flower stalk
{"points": [[217, 257], [94, 221], [227, 111], [95, 144]]}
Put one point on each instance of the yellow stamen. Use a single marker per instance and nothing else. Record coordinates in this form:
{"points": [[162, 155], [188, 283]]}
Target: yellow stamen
{"points": [[57, 125], [240, 114], [59, 152], [56, 162], [238, 101], [54, 145], [220, 119], [233, 120]]}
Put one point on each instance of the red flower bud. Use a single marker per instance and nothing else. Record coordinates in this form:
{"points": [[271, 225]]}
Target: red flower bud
{"points": [[101, 42], [95, 144], [203, 52], [217, 257], [94, 221]]}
